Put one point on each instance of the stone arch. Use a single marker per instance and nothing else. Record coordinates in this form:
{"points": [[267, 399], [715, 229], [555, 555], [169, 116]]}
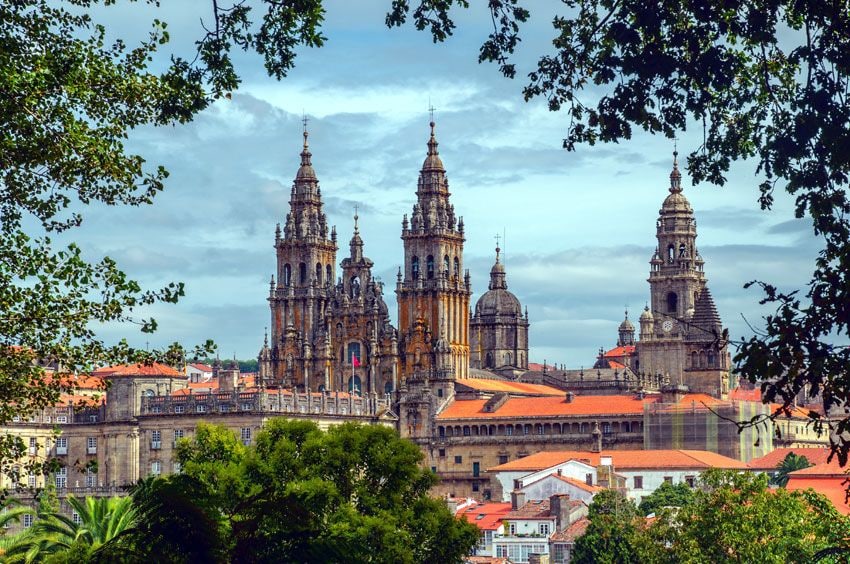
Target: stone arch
{"points": [[672, 302], [287, 274], [329, 273], [414, 267], [319, 273], [302, 273], [429, 266], [457, 267], [446, 265]]}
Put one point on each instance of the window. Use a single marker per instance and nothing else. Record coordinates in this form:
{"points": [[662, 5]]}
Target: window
{"points": [[354, 352], [329, 278], [672, 302], [245, 435], [61, 478], [302, 273], [287, 275], [691, 481], [31, 480], [179, 409], [638, 482], [512, 529], [27, 521], [156, 409], [476, 469], [475, 485], [156, 467], [91, 478], [75, 517], [668, 479], [458, 459], [441, 453], [509, 431], [430, 267], [446, 265], [177, 467], [503, 459], [247, 407], [200, 408], [178, 434], [91, 445], [544, 528], [92, 418], [61, 418], [319, 274], [466, 431], [156, 440], [414, 267], [33, 446], [457, 267], [588, 479], [47, 419], [62, 445]]}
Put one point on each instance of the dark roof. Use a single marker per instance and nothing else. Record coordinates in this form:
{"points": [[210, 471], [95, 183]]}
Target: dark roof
{"points": [[706, 318]]}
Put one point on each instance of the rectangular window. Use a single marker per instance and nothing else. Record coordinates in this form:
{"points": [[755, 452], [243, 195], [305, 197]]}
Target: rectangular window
{"points": [[75, 517], [156, 440], [177, 467], [247, 407], [668, 479], [458, 460], [33, 446], [475, 485], [245, 435], [178, 434], [156, 409], [91, 445], [61, 418], [476, 469], [92, 418], [354, 351], [27, 521], [156, 467], [509, 431], [62, 478], [62, 445], [544, 528], [200, 408], [638, 482], [31, 480], [588, 479], [441, 453], [179, 409], [503, 459], [91, 478], [512, 529], [691, 481]]}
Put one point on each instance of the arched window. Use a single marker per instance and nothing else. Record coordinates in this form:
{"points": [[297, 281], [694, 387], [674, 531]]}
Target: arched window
{"points": [[489, 361], [507, 359], [287, 274], [712, 359], [319, 273], [457, 267], [702, 359], [414, 267], [683, 251], [446, 265], [430, 267], [671, 253], [354, 286], [329, 274], [302, 273], [354, 384], [694, 360], [672, 302]]}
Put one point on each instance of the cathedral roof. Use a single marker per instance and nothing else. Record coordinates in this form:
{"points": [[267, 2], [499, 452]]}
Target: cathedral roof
{"points": [[705, 312], [433, 161], [305, 171], [498, 300], [626, 325], [676, 201]]}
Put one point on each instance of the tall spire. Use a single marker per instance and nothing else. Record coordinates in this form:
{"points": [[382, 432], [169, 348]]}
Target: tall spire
{"points": [[497, 273], [356, 244], [432, 161], [675, 175], [306, 172]]}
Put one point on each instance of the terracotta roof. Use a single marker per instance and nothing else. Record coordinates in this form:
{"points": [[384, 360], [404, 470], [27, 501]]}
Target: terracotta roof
{"points": [[770, 460], [78, 400], [616, 365], [624, 460], [535, 509], [155, 369], [78, 381], [742, 394], [626, 350], [577, 483], [485, 516], [485, 385], [826, 469], [201, 367], [486, 560], [833, 487], [525, 407], [573, 532]]}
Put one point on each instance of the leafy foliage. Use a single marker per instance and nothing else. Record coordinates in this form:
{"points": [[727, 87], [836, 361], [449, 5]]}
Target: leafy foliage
{"points": [[352, 493], [789, 464], [611, 535], [667, 495]]}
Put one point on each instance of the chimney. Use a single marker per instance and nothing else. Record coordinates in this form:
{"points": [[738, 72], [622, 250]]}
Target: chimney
{"points": [[452, 504], [570, 397], [559, 507], [517, 499]]}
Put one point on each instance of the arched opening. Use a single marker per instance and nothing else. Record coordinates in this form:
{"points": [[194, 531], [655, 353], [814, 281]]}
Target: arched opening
{"points": [[414, 267], [466, 431], [507, 359], [489, 362], [446, 265], [683, 250], [287, 274], [354, 286], [441, 431], [457, 267], [302, 273], [388, 388], [672, 302], [671, 253], [329, 275], [430, 267], [354, 384], [319, 273], [694, 360]]}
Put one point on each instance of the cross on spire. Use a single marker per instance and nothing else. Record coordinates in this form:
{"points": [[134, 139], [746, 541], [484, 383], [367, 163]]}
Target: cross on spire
{"points": [[431, 109], [304, 120]]}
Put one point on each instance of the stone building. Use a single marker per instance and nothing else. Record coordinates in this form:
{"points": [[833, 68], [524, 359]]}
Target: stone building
{"points": [[498, 328]]}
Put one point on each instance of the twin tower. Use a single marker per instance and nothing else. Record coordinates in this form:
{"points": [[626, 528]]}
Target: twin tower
{"points": [[331, 330]]}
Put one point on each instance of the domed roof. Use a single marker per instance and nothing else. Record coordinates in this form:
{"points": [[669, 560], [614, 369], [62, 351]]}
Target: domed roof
{"points": [[305, 171], [676, 201], [433, 161], [626, 325], [498, 300], [646, 315]]}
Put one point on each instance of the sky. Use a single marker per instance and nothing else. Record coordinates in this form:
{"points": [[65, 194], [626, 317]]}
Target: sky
{"points": [[579, 226]]}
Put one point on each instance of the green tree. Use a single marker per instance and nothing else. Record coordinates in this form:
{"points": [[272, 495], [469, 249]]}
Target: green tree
{"points": [[57, 538], [790, 463], [667, 495], [612, 533], [352, 493]]}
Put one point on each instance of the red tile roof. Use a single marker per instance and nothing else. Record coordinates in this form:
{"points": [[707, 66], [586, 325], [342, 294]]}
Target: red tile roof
{"points": [[742, 394], [524, 407], [578, 483], [522, 388], [616, 365], [770, 460], [624, 460], [155, 369], [571, 533], [485, 516], [827, 479], [78, 381], [626, 350], [79, 400], [201, 367], [532, 510]]}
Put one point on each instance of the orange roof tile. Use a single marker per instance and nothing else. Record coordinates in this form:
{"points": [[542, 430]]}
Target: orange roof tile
{"points": [[577, 483], [742, 394], [770, 460], [523, 388], [626, 350], [534, 509], [78, 400], [526, 407], [573, 532], [78, 381], [485, 516], [833, 487], [201, 367], [155, 369], [616, 365], [624, 460]]}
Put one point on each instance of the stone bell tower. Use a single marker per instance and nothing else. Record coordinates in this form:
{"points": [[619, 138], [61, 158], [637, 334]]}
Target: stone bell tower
{"points": [[433, 290], [306, 259], [681, 338]]}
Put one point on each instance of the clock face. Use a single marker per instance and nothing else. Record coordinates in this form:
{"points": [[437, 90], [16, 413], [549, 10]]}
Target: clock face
{"points": [[667, 325]]}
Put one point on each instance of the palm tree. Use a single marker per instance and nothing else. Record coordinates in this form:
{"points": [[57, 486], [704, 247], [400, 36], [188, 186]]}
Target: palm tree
{"points": [[101, 521], [789, 464], [11, 513]]}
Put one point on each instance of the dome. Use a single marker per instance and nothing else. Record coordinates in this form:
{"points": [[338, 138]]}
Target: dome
{"points": [[676, 201], [498, 302], [646, 315], [626, 325], [433, 161]]}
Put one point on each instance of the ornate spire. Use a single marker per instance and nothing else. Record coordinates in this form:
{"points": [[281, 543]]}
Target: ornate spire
{"points": [[675, 175], [356, 244], [497, 273], [432, 161], [306, 172]]}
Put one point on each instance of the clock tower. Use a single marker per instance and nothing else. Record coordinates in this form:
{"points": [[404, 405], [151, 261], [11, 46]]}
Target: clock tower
{"points": [[681, 337]]}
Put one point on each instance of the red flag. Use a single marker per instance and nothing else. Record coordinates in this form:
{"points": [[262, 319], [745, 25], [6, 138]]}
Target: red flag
{"points": [[354, 361]]}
